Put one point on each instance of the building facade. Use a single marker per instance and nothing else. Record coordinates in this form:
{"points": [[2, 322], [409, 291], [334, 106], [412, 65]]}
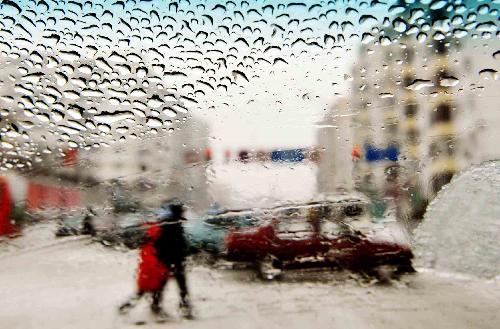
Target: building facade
{"points": [[421, 111]]}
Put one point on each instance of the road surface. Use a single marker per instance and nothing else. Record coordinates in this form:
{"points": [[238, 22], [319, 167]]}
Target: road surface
{"points": [[73, 283]]}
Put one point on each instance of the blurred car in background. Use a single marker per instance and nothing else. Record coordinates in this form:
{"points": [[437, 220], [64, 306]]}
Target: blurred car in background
{"points": [[70, 224], [347, 207], [315, 241], [126, 229], [77, 222], [207, 234], [106, 227]]}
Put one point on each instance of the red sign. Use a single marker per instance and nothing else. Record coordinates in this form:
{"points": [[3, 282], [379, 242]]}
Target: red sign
{"points": [[70, 157], [41, 196]]}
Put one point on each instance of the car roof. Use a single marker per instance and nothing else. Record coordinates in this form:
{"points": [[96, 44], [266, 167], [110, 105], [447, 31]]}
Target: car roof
{"points": [[329, 201]]}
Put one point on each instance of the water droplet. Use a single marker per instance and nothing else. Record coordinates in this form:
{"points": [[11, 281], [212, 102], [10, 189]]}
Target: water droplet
{"points": [[110, 118], [418, 84], [169, 112], [459, 33], [399, 25], [486, 27], [448, 81], [105, 128], [85, 69], [489, 74], [153, 122], [91, 93], [421, 37], [61, 79], [438, 4], [438, 36], [6, 145], [69, 56]]}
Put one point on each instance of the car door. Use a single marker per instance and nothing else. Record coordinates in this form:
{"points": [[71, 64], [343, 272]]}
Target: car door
{"points": [[338, 244], [295, 239]]}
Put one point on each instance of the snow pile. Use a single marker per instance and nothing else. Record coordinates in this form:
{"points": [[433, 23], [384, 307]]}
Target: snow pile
{"points": [[461, 230]]}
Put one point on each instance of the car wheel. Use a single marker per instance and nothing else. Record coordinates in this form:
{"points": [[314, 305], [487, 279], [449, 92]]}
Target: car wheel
{"points": [[384, 273], [212, 258], [405, 268], [106, 242], [269, 267]]}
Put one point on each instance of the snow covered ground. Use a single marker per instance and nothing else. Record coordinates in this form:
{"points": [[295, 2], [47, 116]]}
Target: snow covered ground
{"points": [[73, 283]]}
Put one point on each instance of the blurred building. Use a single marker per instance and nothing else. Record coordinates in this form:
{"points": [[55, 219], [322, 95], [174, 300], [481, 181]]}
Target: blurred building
{"points": [[52, 104], [107, 132], [188, 159], [421, 112], [153, 169], [334, 137]]}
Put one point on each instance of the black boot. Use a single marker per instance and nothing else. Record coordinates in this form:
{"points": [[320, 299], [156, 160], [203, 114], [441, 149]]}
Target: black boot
{"points": [[159, 314], [123, 309], [186, 309]]}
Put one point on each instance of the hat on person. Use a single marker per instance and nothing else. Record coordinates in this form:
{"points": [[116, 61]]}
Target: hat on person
{"points": [[171, 209], [177, 210]]}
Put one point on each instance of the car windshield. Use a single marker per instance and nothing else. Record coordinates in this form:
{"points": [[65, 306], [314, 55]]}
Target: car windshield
{"points": [[333, 229], [216, 118], [293, 226]]}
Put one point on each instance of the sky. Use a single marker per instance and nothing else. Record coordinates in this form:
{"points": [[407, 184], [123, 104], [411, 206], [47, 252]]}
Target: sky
{"points": [[280, 109]]}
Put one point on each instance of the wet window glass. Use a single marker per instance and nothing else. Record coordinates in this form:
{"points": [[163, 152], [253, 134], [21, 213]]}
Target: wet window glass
{"points": [[293, 226], [266, 161], [329, 228]]}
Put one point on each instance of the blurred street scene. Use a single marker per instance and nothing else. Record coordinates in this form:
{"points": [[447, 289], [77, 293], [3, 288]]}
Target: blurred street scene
{"points": [[332, 163], [222, 296]]}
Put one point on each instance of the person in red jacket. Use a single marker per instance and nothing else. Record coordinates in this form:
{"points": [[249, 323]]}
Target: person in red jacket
{"points": [[152, 275]]}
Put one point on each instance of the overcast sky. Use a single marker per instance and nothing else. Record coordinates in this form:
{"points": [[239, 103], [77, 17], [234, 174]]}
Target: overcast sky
{"points": [[281, 107]]}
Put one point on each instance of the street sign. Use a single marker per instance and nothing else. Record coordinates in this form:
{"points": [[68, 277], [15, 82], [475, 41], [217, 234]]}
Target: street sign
{"points": [[372, 153], [293, 155]]}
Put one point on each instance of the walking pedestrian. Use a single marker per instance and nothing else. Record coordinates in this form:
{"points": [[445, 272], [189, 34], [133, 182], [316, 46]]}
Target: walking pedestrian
{"points": [[88, 222], [172, 252]]}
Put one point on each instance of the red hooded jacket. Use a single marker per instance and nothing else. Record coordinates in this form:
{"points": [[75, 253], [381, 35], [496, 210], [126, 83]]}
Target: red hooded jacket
{"points": [[152, 274]]}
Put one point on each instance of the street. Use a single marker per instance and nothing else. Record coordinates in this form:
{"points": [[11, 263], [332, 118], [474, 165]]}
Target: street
{"points": [[74, 283]]}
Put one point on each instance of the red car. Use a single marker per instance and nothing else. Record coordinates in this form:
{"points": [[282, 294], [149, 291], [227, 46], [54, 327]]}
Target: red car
{"points": [[299, 242]]}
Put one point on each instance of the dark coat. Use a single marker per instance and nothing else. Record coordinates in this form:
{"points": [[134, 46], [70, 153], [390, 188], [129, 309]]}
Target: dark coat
{"points": [[171, 245]]}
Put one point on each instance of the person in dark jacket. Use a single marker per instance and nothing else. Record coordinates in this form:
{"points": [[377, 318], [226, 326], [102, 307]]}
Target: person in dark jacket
{"points": [[172, 249], [88, 222]]}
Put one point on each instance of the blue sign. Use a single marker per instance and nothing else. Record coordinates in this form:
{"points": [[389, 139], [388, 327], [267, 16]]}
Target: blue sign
{"points": [[373, 153], [294, 155]]}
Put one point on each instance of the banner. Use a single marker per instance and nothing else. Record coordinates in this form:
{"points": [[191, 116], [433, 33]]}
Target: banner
{"points": [[313, 154], [294, 155], [373, 153]]}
